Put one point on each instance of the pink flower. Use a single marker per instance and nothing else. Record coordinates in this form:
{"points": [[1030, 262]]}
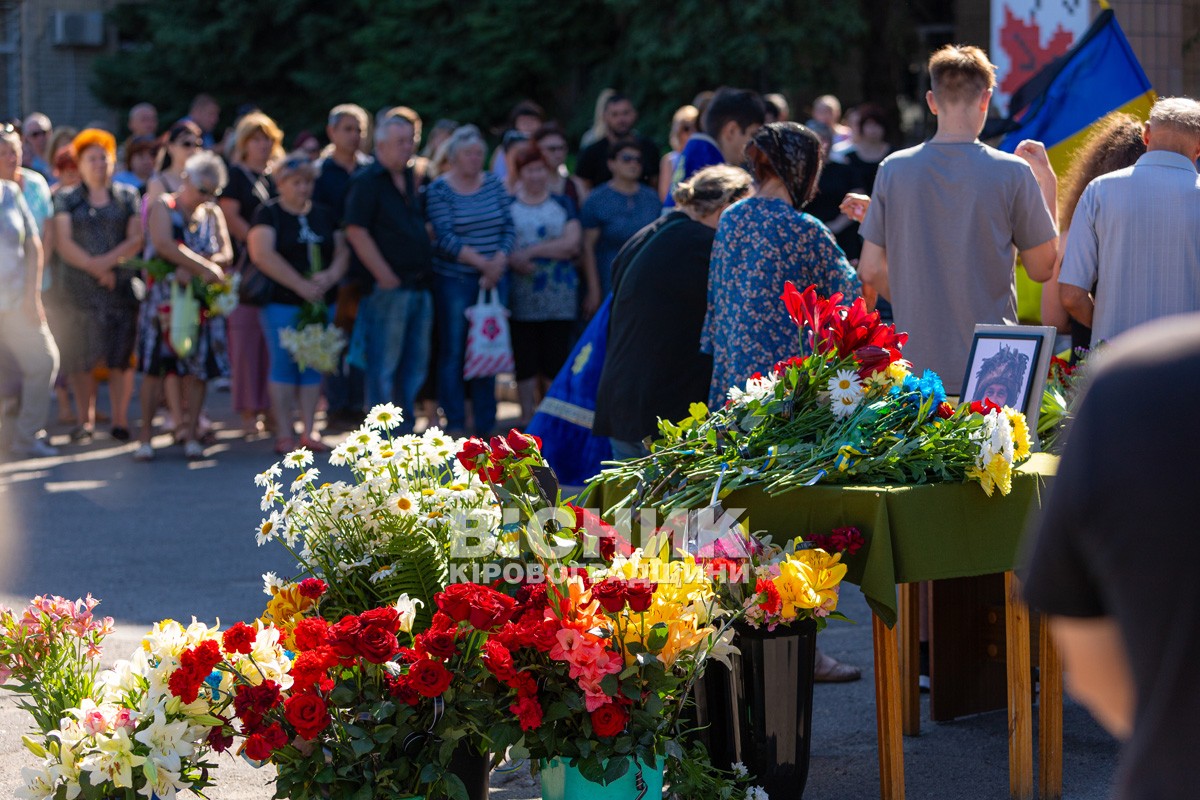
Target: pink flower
{"points": [[569, 640], [593, 700]]}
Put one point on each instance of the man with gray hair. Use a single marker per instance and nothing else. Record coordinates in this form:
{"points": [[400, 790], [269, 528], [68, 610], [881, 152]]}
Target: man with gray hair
{"points": [[385, 224], [143, 120], [1133, 250], [35, 133]]}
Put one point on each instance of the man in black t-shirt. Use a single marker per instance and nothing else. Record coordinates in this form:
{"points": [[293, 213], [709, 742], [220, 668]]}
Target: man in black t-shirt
{"points": [[619, 116], [1116, 552], [385, 224]]}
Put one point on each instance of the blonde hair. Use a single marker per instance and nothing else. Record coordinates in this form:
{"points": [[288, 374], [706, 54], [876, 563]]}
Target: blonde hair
{"points": [[712, 189], [684, 115], [960, 74], [252, 123]]}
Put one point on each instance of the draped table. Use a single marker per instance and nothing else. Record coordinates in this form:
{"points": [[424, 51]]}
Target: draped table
{"points": [[919, 533]]}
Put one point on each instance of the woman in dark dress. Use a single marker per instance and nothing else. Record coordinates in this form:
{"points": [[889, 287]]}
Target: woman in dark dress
{"points": [[660, 284]]}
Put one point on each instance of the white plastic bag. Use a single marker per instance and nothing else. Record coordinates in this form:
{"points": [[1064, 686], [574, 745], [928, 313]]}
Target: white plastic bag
{"points": [[185, 319], [489, 348]]}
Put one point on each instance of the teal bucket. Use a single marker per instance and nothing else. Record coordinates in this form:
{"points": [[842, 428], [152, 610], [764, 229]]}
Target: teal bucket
{"points": [[561, 781]]}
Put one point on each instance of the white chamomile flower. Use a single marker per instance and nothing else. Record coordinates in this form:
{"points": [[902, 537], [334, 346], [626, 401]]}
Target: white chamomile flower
{"points": [[844, 405], [402, 503], [309, 476], [846, 382], [384, 417], [272, 583], [265, 477], [269, 528], [300, 457], [273, 494]]}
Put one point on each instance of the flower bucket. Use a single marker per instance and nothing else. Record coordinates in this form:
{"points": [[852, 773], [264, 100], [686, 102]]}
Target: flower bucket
{"points": [[760, 712], [561, 781], [474, 770]]}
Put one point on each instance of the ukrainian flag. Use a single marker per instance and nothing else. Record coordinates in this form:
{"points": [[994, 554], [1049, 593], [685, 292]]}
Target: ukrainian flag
{"points": [[1059, 105]]}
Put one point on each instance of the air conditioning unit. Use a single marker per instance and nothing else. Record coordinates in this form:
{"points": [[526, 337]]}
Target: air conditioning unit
{"points": [[77, 29]]}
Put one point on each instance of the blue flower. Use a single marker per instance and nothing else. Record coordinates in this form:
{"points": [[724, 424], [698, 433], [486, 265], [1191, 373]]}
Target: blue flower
{"points": [[916, 391], [931, 386]]}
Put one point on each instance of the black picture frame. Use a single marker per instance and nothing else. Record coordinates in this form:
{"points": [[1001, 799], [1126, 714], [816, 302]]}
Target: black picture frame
{"points": [[986, 345]]}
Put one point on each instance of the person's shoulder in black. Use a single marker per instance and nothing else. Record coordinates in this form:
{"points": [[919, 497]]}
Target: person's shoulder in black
{"points": [[592, 164], [1124, 493], [67, 200], [650, 159]]}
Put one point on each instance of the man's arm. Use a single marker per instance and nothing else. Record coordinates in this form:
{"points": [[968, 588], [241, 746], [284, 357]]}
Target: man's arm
{"points": [[1039, 261], [1078, 302], [1097, 669], [873, 269], [368, 253]]}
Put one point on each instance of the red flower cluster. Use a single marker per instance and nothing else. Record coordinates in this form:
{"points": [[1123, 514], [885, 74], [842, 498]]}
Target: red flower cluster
{"points": [[372, 635], [489, 459], [261, 744], [253, 703], [615, 593], [847, 540], [440, 640], [499, 661], [481, 606], [771, 602], [985, 407], [312, 588], [195, 665], [846, 330], [239, 639]]}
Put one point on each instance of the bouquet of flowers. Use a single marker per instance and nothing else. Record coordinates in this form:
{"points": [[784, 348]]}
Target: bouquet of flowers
{"points": [[849, 411], [218, 299], [1059, 398], [393, 530], [314, 342]]}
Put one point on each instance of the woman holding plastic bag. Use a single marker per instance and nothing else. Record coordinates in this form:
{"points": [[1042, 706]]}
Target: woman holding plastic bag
{"points": [[473, 235], [186, 230]]}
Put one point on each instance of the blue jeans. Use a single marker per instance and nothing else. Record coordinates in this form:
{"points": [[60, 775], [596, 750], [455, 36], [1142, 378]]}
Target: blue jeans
{"points": [[399, 325], [453, 295]]}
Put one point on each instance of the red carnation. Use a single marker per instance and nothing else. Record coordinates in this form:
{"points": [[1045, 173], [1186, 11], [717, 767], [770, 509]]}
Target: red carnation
{"points": [[429, 678], [772, 602], [498, 660], [310, 670], [401, 688], [218, 741], [239, 638], [312, 588], [528, 711], [609, 720], [260, 745], [253, 703], [611, 593], [311, 633], [306, 713]]}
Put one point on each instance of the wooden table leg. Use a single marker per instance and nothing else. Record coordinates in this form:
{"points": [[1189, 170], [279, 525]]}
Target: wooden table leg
{"points": [[1020, 692], [888, 711], [1050, 716], [908, 626]]}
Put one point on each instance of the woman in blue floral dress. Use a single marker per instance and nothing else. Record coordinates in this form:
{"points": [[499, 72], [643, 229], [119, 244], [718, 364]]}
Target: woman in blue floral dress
{"points": [[761, 243]]}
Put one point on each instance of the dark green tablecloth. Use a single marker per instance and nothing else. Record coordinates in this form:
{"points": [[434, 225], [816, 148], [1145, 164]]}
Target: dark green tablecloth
{"points": [[914, 533]]}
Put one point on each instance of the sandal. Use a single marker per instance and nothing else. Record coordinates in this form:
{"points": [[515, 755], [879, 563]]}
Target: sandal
{"points": [[829, 670], [315, 445]]}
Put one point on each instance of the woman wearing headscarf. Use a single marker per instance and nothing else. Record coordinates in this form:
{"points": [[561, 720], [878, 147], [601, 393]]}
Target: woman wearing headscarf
{"points": [[761, 243]]}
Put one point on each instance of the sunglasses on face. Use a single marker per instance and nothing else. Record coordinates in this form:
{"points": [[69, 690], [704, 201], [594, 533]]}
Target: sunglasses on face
{"points": [[629, 158], [189, 144], [554, 148], [33, 134]]}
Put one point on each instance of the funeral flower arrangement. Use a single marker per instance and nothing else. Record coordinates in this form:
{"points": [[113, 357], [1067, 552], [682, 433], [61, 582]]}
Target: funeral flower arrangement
{"points": [[849, 411], [1059, 398]]}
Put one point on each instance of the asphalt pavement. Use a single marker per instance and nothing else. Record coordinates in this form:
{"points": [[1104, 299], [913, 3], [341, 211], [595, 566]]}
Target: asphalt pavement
{"points": [[175, 539]]}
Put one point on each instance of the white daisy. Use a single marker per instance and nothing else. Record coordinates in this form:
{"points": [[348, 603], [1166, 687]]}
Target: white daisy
{"points": [[263, 478], [846, 382], [309, 476], [756, 793], [272, 495], [300, 457], [402, 503], [272, 583], [844, 405], [384, 417], [269, 528]]}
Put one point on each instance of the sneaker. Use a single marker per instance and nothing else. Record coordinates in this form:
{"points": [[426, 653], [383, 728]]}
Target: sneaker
{"points": [[120, 434], [144, 452], [193, 449], [35, 449]]}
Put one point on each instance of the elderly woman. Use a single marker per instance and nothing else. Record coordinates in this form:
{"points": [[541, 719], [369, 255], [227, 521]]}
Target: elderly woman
{"points": [[295, 242], [23, 331], [659, 299], [257, 141], [181, 140], [761, 243], [473, 235], [96, 227], [187, 230]]}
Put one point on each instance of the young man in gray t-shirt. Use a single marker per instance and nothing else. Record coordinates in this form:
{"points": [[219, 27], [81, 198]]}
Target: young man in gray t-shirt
{"points": [[948, 217]]}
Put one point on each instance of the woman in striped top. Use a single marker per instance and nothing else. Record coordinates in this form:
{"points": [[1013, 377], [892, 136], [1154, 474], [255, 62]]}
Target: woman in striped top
{"points": [[473, 235]]}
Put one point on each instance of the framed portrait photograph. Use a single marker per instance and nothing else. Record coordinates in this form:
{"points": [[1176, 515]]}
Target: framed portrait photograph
{"points": [[1008, 365]]}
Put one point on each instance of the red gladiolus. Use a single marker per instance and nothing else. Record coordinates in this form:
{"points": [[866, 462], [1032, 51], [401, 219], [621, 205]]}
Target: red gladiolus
{"points": [[312, 588], [239, 638], [429, 678], [609, 720]]}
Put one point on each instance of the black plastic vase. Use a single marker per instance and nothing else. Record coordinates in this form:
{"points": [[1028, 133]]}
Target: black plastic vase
{"points": [[760, 712]]}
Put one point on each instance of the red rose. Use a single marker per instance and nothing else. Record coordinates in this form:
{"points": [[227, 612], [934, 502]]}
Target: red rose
{"points": [[490, 609], [473, 453], [307, 714], [520, 442], [259, 746], [311, 633], [945, 411], [500, 450], [239, 639], [529, 712], [386, 617], [312, 588], [253, 703], [772, 602], [376, 644], [609, 720], [429, 678], [640, 594], [343, 636], [611, 593], [455, 600], [440, 644], [498, 660]]}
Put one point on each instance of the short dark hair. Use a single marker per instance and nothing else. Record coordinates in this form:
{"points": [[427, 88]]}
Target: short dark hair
{"points": [[617, 97], [525, 108], [548, 129], [743, 106], [627, 143]]}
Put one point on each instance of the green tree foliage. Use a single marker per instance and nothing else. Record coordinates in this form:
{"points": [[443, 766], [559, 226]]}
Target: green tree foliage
{"points": [[470, 60]]}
